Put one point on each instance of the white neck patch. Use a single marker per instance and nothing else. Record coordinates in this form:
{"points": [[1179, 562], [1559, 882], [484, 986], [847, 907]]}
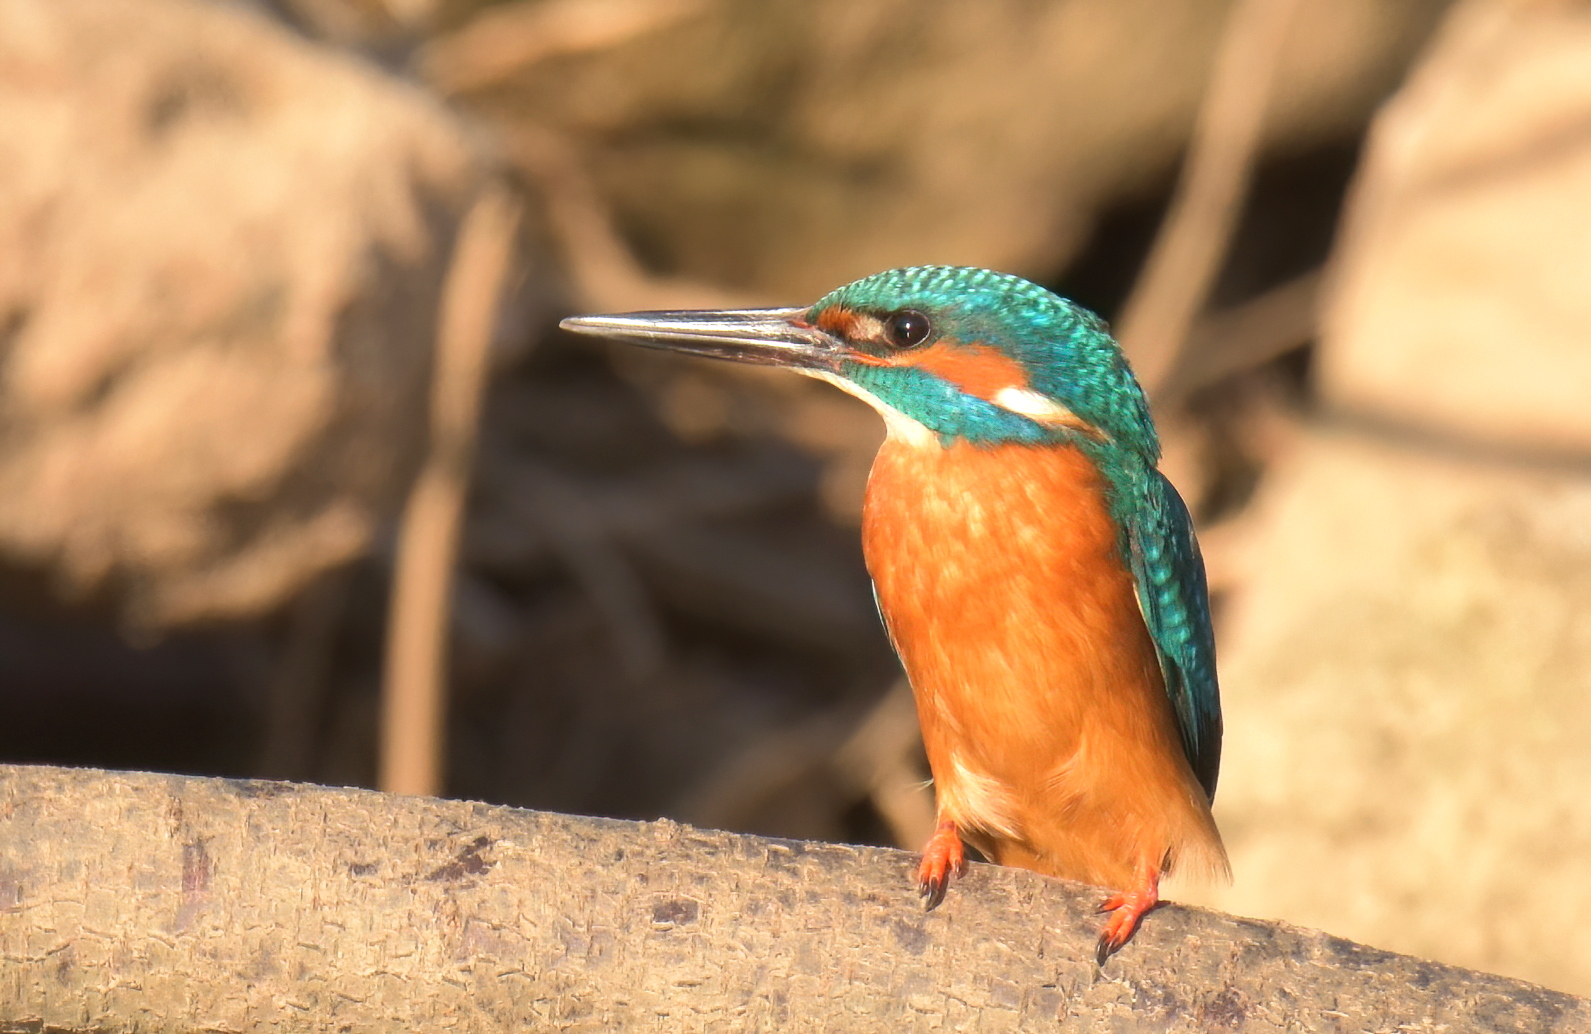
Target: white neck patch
{"points": [[1036, 407], [1041, 409]]}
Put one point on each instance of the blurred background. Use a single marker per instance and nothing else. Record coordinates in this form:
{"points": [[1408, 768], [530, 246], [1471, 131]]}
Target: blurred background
{"points": [[247, 251]]}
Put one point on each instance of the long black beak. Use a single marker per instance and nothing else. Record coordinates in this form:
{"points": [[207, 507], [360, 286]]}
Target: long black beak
{"points": [[766, 337]]}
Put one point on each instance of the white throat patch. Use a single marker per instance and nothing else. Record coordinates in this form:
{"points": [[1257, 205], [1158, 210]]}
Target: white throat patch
{"points": [[901, 427]]}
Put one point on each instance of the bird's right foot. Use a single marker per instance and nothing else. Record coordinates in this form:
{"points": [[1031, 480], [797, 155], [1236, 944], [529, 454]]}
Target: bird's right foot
{"points": [[1127, 909], [943, 858]]}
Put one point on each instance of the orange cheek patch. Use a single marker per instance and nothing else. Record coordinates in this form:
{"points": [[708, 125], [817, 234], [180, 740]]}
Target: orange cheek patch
{"points": [[976, 369]]}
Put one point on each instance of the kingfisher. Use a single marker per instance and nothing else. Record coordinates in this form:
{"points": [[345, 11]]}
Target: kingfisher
{"points": [[1038, 576]]}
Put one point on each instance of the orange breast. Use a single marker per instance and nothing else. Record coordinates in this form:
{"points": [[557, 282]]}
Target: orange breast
{"points": [[1052, 743]]}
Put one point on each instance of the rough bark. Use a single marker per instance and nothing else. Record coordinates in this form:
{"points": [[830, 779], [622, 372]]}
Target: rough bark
{"points": [[147, 902]]}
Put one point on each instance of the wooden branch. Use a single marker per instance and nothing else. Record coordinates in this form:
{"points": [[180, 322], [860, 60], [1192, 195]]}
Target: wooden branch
{"points": [[162, 903]]}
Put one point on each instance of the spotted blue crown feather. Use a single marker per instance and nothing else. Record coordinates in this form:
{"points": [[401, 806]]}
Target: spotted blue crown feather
{"points": [[1069, 357]]}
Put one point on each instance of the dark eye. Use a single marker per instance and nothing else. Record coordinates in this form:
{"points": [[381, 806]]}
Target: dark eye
{"points": [[906, 328]]}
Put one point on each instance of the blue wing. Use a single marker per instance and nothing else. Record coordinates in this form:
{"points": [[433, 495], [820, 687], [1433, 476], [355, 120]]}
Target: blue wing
{"points": [[1176, 605]]}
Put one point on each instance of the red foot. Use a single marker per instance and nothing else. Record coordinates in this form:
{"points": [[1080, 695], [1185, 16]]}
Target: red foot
{"points": [[943, 858], [1129, 908]]}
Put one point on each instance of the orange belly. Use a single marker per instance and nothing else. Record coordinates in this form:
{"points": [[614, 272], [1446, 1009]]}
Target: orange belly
{"points": [[1052, 743]]}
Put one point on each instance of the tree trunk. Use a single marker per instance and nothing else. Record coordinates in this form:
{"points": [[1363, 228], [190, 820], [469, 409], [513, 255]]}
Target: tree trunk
{"points": [[162, 903]]}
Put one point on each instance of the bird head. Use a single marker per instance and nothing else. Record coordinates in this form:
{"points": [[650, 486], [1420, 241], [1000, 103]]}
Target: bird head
{"points": [[943, 352]]}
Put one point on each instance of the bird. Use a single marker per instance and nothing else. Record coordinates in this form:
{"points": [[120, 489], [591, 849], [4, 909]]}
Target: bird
{"points": [[1037, 575]]}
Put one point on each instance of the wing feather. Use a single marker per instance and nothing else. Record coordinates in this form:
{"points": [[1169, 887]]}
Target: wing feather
{"points": [[1169, 572]]}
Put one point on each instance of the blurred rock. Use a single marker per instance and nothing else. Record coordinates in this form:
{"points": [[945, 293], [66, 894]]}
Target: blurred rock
{"points": [[1463, 302], [783, 147], [1407, 666], [1407, 681], [220, 256]]}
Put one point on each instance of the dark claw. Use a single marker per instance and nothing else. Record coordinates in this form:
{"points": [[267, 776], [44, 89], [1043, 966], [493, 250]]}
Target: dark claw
{"points": [[1103, 951], [933, 892]]}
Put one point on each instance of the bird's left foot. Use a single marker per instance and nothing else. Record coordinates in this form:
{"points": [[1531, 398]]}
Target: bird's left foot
{"points": [[1127, 910], [943, 858]]}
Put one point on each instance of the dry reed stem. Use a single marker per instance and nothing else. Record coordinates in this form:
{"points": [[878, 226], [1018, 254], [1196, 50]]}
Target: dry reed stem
{"points": [[413, 693], [298, 686], [1235, 339], [506, 39], [1192, 242], [607, 276]]}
